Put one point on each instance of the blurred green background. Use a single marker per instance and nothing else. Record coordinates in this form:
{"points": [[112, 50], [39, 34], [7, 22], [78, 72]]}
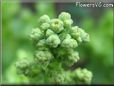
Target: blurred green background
{"points": [[19, 18]]}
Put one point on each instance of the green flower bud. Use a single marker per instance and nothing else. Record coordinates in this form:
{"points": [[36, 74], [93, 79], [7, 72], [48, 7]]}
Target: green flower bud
{"points": [[65, 77], [83, 75], [74, 56], [43, 56], [68, 42], [49, 32], [41, 43], [59, 78], [79, 34], [68, 23], [22, 66], [53, 41], [85, 37], [70, 58], [64, 16], [36, 34], [79, 39], [44, 19], [75, 33], [62, 35], [45, 26], [34, 70], [56, 25]]}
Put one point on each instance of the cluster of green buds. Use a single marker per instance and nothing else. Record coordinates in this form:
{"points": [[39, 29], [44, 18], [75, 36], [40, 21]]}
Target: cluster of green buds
{"points": [[56, 41]]}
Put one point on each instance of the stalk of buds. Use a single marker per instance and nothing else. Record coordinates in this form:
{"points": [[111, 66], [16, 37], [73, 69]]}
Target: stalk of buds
{"points": [[56, 41]]}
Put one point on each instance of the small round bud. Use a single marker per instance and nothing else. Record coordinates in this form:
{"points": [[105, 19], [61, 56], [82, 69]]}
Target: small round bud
{"points": [[79, 39], [53, 41], [36, 34], [75, 32], [49, 32], [45, 26], [44, 19], [64, 16], [85, 37], [68, 23], [23, 66], [42, 56], [79, 34], [68, 42], [74, 56], [83, 75], [59, 78], [56, 25], [41, 43]]}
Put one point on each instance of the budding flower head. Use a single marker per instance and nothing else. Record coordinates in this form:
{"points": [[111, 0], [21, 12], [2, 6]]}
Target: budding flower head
{"points": [[74, 56], [83, 75], [45, 26], [49, 32], [86, 37], [56, 25], [60, 78], [53, 40], [36, 34], [41, 43], [79, 34], [68, 23], [43, 56], [83, 35], [75, 31], [22, 66], [64, 16], [68, 42], [44, 19]]}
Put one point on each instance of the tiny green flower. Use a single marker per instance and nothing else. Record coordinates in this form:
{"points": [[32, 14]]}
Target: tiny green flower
{"points": [[23, 66], [45, 26], [79, 34], [74, 56], [36, 34], [41, 43], [64, 16], [44, 19], [53, 40], [43, 56], [69, 42], [83, 75], [56, 25], [49, 32], [68, 23]]}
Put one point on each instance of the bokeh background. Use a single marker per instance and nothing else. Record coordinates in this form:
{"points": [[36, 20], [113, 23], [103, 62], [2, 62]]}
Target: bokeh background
{"points": [[19, 18]]}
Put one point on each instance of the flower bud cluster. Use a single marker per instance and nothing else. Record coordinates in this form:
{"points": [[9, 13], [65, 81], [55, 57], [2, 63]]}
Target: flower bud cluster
{"points": [[56, 41]]}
